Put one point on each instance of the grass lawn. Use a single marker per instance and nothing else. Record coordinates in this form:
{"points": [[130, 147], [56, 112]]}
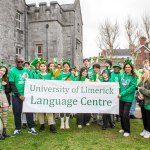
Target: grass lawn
{"points": [[87, 138]]}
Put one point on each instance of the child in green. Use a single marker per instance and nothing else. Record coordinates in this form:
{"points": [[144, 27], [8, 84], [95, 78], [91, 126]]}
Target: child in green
{"points": [[45, 76], [115, 75], [65, 75], [106, 117]]}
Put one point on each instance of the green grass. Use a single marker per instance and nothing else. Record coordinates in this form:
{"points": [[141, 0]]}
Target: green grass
{"points": [[87, 138]]}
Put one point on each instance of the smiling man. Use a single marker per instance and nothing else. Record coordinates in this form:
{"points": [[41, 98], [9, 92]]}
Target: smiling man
{"points": [[17, 76]]}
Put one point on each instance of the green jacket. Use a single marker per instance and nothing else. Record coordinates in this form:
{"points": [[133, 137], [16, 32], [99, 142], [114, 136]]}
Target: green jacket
{"points": [[145, 90], [127, 87]]}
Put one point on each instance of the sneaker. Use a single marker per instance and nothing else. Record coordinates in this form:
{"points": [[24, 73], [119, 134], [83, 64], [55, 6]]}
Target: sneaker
{"points": [[42, 127], [80, 126], [52, 129], [121, 131], [147, 135], [32, 131], [16, 132], [24, 126], [143, 132], [87, 124], [2, 137], [132, 117], [126, 134]]}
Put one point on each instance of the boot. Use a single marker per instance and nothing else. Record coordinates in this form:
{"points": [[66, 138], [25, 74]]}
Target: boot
{"points": [[52, 129], [5, 135], [67, 123], [62, 123], [2, 137], [42, 127]]}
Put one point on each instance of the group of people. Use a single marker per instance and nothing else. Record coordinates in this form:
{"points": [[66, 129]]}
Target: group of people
{"points": [[131, 81]]}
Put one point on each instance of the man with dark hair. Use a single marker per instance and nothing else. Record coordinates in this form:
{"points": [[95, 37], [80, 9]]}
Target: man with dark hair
{"points": [[17, 76], [86, 63]]}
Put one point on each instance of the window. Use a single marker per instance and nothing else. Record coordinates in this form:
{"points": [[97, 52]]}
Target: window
{"points": [[18, 20], [39, 51], [78, 27], [18, 50]]}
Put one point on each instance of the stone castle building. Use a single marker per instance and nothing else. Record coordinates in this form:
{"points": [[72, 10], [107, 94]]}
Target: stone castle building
{"points": [[49, 32]]}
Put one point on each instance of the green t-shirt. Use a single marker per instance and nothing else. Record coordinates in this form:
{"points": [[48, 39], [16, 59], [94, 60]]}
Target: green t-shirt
{"points": [[147, 107], [46, 76], [64, 76], [34, 73], [90, 72], [18, 77], [1, 86]]}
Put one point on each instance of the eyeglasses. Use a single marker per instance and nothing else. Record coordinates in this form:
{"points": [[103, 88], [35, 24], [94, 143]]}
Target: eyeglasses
{"points": [[19, 62]]}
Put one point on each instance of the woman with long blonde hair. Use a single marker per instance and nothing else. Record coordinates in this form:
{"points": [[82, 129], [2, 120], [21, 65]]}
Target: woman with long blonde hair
{"points": [[144, 90]]}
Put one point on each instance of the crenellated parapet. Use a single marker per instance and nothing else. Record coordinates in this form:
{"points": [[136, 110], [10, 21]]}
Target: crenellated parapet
{"points": [[54, 12]]}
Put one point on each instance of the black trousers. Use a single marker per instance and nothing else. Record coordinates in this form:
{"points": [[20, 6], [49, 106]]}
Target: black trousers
{"points": [[83, 119], [124, 110], [17, 110], [146, 118], [107, 119]]}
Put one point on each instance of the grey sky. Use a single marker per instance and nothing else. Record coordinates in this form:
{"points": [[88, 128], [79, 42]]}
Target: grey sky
{"points": [[94, 12]]}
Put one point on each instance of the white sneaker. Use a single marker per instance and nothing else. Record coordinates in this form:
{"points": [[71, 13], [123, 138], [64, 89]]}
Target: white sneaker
{"points": [[87, 124], [147, 135], [16, 132], [62, 126], [32, 131], [121, 131], [79, 126], [143, 132], [67, 126], [126, 134]]}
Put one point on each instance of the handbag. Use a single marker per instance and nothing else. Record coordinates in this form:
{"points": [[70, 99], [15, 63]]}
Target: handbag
{"points": [[140, 102]]}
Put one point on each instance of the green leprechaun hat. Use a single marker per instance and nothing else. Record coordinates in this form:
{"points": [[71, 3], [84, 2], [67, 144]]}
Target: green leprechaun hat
{"points": [[35, 61]]}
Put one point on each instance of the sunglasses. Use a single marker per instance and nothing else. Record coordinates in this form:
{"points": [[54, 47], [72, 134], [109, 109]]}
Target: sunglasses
{"points": [[20, 62]]}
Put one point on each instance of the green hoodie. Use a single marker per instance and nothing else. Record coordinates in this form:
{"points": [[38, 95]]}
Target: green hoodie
{"points": [[115, 77], [127, 87]]}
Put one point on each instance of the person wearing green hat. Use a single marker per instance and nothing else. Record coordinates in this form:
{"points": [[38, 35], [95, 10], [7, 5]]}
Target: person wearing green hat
{"points": [[115, 75], [128, 83]]}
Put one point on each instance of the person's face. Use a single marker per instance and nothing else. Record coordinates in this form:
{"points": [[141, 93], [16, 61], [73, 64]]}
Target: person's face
{"points": [[66, 68], [105, 76], [26, 65], [43, 68], [52, 66], [86, 63], [73, 71], [96, 70], [2, 72], [116, 69], [84, 73], [19, 63], [77, 68], [128, 69]]}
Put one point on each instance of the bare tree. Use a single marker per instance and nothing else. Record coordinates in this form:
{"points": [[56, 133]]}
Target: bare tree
{"points": [[108, 34], [146, 25], [132, 31]]}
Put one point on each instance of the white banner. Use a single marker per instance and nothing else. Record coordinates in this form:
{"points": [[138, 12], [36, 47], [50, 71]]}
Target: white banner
{"points": [[51, 96]]}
